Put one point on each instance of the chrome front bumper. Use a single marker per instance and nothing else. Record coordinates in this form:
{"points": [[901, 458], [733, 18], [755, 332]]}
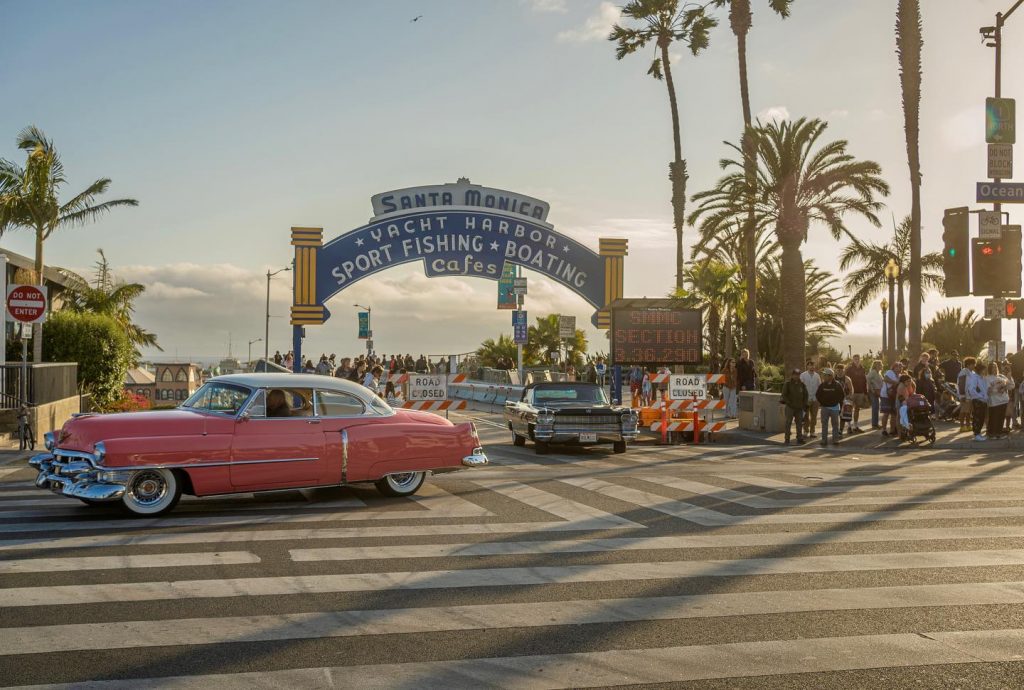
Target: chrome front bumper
{"points": [[476, 459], [74, 476]]}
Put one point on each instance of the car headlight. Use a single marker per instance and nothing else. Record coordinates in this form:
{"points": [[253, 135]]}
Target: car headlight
{"points": [[49, 440], [545, 419], [100, 450]]}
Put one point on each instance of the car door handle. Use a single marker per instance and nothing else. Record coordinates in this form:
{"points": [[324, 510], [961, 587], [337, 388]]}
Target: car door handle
{"points": [[313, 421]]}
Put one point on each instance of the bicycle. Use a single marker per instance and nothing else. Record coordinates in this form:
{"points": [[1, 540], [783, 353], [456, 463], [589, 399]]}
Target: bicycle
{"points": [[26, 439]]}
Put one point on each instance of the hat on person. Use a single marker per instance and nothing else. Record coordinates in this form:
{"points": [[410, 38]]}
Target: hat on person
{"points": [[827, 372]]}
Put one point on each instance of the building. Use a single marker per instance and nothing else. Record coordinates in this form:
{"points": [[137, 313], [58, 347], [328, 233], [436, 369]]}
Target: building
{"points": [[175, 381], [141, 382], [20, 269]]}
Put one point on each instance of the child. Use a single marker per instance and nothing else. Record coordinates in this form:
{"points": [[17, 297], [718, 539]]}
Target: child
{"points": [[646, 390], [392, 397]]}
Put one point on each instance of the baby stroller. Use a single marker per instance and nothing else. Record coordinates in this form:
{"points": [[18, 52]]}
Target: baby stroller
{"points": [[947, 407], [918, 422]]}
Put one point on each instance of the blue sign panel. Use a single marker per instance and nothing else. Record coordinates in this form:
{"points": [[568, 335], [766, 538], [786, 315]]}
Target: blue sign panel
{"points": [[364, 325], [459, 243], [1000, 193], [520, 328], [507, 298]]}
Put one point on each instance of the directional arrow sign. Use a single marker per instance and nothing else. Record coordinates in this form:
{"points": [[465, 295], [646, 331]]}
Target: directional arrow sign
{"points": [[1000, 121], [1000, 193]]}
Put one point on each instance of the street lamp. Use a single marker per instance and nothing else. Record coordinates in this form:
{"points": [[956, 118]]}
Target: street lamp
{"points": [[266, 331], [249, 361], [892, 272], [369, 329], [885, 308]]}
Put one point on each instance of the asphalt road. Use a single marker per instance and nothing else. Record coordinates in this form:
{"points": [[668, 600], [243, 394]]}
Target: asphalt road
{"points": [[707, 567]]}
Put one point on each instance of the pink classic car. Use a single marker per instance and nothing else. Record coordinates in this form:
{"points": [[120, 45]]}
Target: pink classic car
{"points": [[253, 432]]}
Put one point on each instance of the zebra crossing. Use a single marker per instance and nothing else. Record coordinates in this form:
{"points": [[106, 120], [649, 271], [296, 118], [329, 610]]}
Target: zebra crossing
{"points": [[799, 574]]}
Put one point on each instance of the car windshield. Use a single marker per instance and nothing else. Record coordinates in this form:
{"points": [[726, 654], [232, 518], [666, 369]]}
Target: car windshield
{"points": [[570, 393], [224, 398]]}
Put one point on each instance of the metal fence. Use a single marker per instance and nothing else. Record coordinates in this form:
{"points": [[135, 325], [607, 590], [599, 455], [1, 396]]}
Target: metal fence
{"points": [[37, 384]]}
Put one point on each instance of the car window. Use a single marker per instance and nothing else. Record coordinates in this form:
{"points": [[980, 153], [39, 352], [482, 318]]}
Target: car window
{"points": [[289, 402], [582, 394], [380, 406], [335, 404], [258, 406], [219, 397]]}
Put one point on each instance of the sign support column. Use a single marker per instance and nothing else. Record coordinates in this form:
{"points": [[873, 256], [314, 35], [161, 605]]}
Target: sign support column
{"points": [[306, 308]]}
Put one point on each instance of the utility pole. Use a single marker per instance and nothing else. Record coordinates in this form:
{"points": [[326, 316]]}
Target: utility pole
{"points": [[266, 329], [995, 35]]}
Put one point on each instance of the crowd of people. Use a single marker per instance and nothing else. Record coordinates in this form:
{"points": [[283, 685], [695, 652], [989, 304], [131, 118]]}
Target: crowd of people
{"points": [[985, 397]]}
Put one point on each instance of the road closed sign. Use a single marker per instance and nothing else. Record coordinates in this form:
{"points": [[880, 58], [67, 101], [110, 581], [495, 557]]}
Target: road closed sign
{"points": [[425, 387], [688, 386], [26, 303]]}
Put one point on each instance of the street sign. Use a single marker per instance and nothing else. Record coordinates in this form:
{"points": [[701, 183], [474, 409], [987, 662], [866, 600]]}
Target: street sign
{"points": [[995, 307], [566, 327], [997, 350], [1000, 193], [519, 286], [520, 329], [990, 224], [686, 386], [1000, 121], [26, 303], [364, 325], [423, 387], [1000, 161], [506, 294]]}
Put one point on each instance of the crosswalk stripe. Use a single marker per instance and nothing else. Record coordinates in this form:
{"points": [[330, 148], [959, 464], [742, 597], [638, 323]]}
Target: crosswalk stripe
{"points": [[11, 470], [629, 666], [43, 565], [708, 517], [995, 484], [551, 503], [196, 631], [516, 548], [498, 577]]}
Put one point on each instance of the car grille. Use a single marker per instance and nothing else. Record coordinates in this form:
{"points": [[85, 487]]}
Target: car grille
{"points": [[599, 422]]}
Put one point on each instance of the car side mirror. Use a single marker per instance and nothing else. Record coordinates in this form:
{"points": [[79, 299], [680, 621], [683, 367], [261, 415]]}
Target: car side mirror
{"points": [[244, 417]]}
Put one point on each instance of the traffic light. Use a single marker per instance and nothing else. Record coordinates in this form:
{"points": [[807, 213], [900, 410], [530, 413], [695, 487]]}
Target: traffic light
{"points": [[955, 232], [997, 265], [987, 329], [1015, 309]]}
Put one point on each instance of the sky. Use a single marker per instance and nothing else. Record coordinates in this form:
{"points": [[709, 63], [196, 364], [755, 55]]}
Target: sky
{"points": [[231, 121]]}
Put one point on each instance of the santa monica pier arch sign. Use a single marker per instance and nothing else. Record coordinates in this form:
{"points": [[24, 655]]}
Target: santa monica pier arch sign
{"points": [[458, 229]]}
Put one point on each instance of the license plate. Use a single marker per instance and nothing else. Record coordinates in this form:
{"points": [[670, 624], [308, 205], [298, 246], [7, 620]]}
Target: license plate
{"points": [[588, 438]]}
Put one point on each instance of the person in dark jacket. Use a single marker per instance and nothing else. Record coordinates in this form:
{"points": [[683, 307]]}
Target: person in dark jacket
{"points": [[926, 386], [745, 375], [830, 396], [794, 397]]}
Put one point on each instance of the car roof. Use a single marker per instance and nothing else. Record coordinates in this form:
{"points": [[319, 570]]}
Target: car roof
{"points": [[270, 380], [559, 384]]}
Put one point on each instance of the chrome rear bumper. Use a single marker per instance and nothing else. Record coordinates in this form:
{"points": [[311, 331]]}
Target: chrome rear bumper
{"points": [[476, 459]]}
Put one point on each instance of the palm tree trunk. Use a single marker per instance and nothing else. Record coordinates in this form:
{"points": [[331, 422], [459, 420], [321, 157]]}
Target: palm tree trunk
{"points": [[794, 303], [901, 318], [909, 43], [677, 169], [37, 328], [740, 18], [728, 335]]}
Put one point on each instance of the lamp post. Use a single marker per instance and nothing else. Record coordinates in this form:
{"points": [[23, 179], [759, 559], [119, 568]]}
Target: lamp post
{"points": [[885, 308], [249, 361], [266, 331], [892, 272], [369, 329]]}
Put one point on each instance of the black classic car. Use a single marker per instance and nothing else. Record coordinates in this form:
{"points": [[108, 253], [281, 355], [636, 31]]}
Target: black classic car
{"points": [[576, 413]]}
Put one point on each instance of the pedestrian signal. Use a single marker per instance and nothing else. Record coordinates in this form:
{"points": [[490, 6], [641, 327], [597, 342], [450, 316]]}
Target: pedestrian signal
{"points": [[997, 265], [1015, 308], [955, 231]]}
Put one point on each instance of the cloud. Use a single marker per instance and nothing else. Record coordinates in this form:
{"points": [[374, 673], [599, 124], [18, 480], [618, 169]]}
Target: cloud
{"points": [[596, 27], [965, 130], [546, 5], [776, 112], [876, 115]]}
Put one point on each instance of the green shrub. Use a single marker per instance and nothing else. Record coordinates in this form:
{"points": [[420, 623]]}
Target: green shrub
{"points": [[100, 347]]}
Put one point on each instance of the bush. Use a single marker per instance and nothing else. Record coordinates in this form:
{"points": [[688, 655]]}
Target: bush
{"points": [[131, 402], [100, 347]]}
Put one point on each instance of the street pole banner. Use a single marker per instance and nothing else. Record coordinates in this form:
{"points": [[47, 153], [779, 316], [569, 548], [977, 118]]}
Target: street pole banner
{"points": [[520, 328], [364, 325], [506, 283]]}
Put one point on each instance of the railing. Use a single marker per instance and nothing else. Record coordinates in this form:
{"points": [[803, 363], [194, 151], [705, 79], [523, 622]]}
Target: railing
{"points": [[37, 384]]}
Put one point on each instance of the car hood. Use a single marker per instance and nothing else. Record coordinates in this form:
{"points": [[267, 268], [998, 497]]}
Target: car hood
{"points": [[82, 433]]}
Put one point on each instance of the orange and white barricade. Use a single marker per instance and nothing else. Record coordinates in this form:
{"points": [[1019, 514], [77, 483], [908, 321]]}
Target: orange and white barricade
{"points": [[683, 425], [435, 405]]}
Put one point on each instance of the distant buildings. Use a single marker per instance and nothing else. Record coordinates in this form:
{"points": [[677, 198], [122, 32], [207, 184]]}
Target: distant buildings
{"points": [[167, 383]]}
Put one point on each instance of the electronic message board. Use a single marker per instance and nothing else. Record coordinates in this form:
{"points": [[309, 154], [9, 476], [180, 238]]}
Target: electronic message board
{"points": [[656, 336]]}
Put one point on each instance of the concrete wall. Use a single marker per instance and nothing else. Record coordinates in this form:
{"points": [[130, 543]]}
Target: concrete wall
{"points": [[45, 417]]}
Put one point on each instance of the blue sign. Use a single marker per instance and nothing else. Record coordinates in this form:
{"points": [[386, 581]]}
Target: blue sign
{"points": [[1000, 193], [364, 325], [459, 243], [507, 298], [520, 328]]}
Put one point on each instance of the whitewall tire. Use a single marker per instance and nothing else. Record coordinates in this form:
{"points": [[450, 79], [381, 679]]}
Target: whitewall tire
{"points": [[401, 483], [151, 492]]}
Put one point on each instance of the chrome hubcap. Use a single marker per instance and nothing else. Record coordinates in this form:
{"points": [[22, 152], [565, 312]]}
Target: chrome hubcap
{"points": [[403, 480], [148, 488]]}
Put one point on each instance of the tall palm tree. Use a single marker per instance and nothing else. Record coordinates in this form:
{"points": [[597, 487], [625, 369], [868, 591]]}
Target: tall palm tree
{"points": [[106, 295], [740, 20], [800, 183], [664, 22], [868, 280], [29, 199], [909, 43], [718, 289], [951, 329], [491, 351], [543, 339], [825, 316]]}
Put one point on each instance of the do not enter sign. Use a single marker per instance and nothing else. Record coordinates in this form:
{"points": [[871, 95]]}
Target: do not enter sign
{"points": [[26, 303]]}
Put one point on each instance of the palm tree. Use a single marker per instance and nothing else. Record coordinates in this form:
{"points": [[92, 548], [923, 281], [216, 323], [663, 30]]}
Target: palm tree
{"points": [[665, 22], [825, 316], [799, 184], [868, 280], [29, 199], [952, 329], [908, 47], [543, 339], [491, 351], [740, 20], [106, 295], [716, 287]]}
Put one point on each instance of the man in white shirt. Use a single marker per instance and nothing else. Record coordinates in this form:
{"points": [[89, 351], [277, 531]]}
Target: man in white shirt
{"points": [[977, 393], [811, 381]]}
